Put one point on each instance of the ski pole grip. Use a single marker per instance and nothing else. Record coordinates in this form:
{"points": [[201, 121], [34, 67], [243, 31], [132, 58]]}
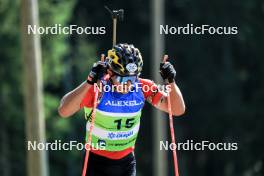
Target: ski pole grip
{"points": [[106, 76], [165, 59], [102, 57]]}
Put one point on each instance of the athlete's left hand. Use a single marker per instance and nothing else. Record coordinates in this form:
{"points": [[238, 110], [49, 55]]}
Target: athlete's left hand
{"points": [[167, 71]]}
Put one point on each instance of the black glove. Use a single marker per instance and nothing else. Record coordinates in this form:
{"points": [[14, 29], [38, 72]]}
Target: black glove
{"points": [[167, 71], [97, 72]]}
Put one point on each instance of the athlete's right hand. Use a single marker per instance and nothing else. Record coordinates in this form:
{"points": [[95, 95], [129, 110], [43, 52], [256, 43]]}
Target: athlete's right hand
{"points": [[97, 72]]}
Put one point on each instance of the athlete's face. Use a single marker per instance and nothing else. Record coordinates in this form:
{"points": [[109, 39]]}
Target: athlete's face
{"points": [[121, 87]]}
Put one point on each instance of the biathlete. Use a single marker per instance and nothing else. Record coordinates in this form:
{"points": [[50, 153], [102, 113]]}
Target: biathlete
{"points": [[120, 103]]}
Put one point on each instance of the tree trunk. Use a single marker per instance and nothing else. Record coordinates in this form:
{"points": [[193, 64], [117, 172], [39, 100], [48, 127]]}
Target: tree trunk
{"points": [[160, 123], [33, 93]]}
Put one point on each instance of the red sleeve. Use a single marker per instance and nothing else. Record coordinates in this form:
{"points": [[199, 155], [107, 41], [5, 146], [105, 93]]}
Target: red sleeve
{"points": [[150, 90], [88, 99]]}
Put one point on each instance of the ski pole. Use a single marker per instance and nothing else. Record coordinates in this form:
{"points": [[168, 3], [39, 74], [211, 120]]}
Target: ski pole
{"points": [[173, 139], [116, 15], [88, 143]]}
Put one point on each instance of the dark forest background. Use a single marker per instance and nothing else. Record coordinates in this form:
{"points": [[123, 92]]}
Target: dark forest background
{"points": [[221, 78]]}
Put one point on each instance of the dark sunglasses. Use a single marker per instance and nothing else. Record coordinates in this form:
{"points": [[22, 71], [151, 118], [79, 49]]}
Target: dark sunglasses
{"points": [[125, 79]]}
